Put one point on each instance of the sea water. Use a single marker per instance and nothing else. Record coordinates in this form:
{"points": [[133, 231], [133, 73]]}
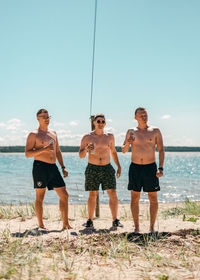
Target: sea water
{"points": [[181, 179]]}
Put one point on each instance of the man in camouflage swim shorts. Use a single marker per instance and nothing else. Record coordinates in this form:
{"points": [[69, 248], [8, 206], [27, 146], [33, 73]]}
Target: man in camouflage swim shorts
{"points": [[99, 145]]}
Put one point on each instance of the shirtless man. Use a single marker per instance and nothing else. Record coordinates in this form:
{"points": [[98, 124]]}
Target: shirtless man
{"points": [[99, 145], [42, 144], [143, 171]]}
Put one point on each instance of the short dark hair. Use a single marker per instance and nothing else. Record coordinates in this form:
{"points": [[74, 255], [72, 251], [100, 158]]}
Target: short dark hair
{"points": [[140, 109], [41, 111], [99, 116]]}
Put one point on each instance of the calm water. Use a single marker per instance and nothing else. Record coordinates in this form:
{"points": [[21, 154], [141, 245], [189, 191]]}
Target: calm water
{"points": [[181, 180]]}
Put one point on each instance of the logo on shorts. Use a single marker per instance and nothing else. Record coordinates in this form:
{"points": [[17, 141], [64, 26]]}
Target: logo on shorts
{"points": [[39, 183]]}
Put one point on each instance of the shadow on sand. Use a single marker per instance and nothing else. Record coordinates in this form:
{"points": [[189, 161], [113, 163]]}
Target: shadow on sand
{"points": [[92, 230], [33, 232], [139, 238], [145, 238]]}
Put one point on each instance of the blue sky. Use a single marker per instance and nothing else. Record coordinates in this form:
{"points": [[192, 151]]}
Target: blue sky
{"points": [[147, 54]]}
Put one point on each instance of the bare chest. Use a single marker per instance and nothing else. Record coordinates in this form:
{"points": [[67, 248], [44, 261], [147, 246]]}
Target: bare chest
{"points": [[102, 141], [44, 138], [145, 137]]}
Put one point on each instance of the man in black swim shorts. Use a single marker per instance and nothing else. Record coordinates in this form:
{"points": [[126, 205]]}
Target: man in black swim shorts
{"points": [[42, 144], [143, 171], [99, 146]]}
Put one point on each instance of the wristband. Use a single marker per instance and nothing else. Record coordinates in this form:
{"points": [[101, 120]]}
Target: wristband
{"points": [[63, 167], [160, 168]]}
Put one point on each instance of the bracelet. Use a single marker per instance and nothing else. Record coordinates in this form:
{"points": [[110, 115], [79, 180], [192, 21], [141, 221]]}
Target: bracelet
{"points": [[63, 167], [160, 168], [86, 148]]}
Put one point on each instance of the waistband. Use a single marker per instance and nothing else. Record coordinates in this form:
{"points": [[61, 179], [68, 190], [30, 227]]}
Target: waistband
{"points": [[43, 163], [98, 166], [141, 165]]}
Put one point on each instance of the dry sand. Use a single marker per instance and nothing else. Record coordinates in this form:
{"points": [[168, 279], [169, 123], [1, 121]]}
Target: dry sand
{"points": [[102, 253]]}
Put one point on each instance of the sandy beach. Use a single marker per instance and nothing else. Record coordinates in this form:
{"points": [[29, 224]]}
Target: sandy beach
{"points": [[173, 252]]}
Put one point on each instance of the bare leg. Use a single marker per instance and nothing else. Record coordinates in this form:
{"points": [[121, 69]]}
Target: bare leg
{"points": [[92, 204], [135, 197], [113, 203], [39, 206], [153, 209], [63, 203]]}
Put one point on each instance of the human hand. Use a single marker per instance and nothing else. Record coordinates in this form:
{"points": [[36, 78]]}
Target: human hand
{"points": [[130, 140], [65, 172], [90, 147], [49, 147], [159, 173], [118, 172]]}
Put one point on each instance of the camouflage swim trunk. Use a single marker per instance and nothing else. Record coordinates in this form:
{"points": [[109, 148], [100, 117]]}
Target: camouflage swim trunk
{"points": [[99, 174]]}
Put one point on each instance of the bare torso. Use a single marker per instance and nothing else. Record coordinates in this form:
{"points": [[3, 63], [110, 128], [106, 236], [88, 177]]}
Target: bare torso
{"points": [[143, 147], [102, 148], [42, 139]]}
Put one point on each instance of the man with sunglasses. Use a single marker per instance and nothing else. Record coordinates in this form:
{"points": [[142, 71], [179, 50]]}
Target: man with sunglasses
{"points": [[143, 171], [99, 145], [42, 144]]}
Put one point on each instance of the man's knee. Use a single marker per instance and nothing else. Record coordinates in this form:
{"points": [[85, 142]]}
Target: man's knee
{"points": [[153, 198], [63, 195], [112, 193], [93, 194], [39, 200], [135, 197]]}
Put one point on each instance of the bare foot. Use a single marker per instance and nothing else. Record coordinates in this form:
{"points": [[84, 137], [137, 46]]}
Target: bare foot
{"points": [[42, 227], [67, 227]]}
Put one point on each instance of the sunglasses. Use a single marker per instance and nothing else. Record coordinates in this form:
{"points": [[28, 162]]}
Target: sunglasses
{"points": [[45, 117], [99, 121]]}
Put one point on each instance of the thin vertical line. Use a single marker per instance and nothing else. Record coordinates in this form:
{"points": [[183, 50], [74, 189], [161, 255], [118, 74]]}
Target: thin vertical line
{"points": [[93, 56]]}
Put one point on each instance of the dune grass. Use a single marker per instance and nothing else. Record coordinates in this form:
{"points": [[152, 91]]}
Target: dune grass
{"points": [[22, 259], [104, 255], [190, 208]]}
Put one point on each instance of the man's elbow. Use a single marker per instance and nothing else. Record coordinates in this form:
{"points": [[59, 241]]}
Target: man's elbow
{"points": [[81, 155], [161, 151], [27, 154], [58, 154], [123, 151]]}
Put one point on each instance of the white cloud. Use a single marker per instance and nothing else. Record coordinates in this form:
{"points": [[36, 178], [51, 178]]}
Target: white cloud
{"points": [[119, 138], [182, 141], [12, 140], [2, 124], [58, 124], [166, 117], [13, 124], [122, 134], [73, 123], [109, 120], [63, 131], [109, 129], [70, 139], [25, 133]]}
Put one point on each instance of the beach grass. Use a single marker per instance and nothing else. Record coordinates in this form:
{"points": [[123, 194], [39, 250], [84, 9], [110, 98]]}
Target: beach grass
{"points": [[101, 254], [189, 208]]}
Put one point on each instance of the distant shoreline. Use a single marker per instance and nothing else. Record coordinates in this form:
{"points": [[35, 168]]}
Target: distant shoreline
{"points": [[75, 149]]}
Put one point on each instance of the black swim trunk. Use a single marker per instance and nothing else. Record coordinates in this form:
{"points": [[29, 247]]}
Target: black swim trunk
{"points": [[46, 175], [143, 175], [99, 174]]}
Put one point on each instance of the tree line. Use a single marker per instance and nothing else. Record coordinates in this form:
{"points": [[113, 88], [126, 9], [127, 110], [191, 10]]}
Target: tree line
{"points": [[74, 149]]}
